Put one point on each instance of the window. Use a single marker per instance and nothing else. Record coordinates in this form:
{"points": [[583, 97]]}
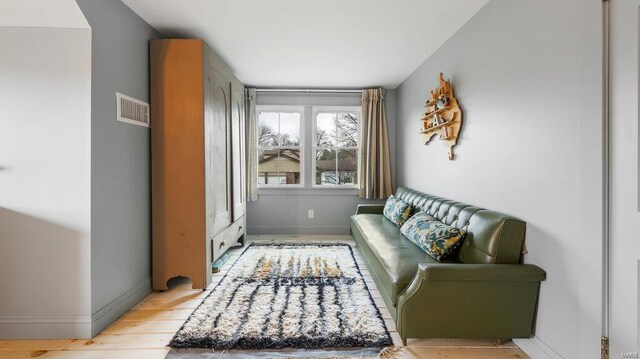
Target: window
{"points": [[336, 147], [279, 147], [335, 151]]}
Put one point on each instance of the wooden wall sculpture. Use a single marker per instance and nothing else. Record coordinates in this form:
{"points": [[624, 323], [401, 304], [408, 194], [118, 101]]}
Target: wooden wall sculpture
{"points": [[443, 116]]}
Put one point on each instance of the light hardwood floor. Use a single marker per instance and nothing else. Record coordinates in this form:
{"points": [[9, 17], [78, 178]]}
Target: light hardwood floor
{"points": [[147, 328]]}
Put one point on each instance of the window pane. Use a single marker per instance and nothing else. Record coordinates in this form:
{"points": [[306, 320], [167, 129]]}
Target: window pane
{"points": [[289, 164], [267, 166], [326, 130], [325, 167], [278, 129], [273, 179], [279, 167], [347, 125], [348, 167], [268, 128], [289, 129]]}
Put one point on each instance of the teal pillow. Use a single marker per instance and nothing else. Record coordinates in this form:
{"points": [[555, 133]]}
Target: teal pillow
{"points": [[437, 239], [397, 210]]}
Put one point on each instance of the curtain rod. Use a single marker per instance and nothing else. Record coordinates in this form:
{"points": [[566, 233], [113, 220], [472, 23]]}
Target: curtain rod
{"points": [[307, 90]]}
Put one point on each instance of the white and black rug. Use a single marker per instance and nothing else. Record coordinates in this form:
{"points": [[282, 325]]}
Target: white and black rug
{"points": [[288, 296]]}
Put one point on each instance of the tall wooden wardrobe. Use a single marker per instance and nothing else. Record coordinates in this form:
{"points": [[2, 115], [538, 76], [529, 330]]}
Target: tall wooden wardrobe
{"points": [[197, 160]]}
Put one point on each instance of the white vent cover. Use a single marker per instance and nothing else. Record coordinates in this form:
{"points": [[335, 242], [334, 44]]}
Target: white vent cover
{"points": [[131, 110]]}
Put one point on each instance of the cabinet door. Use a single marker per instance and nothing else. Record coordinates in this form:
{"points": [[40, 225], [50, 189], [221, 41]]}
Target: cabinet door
{"points": [[208, 164], [237, 151], [220, 151]]}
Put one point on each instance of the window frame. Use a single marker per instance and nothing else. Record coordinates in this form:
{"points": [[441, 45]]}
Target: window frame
{"points": [[301, 146], [314, 147]]}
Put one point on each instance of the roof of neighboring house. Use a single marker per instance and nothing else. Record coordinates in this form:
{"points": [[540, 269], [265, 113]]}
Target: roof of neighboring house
{"points": [[289, 161], [268, 155], [343, 165]]}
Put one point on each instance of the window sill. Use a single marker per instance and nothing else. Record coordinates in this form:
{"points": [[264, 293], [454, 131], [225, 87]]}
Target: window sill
{"points": [[280, 186], [308, 191]]}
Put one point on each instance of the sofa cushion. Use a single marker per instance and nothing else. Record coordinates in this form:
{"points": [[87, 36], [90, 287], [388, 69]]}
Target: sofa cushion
{"points": [[392, 258], [437, 239], [396, 210]]}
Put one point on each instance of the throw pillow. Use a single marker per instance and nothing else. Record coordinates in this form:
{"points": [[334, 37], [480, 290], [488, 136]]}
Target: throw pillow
{"points": [[437, 239], [397, 210]]}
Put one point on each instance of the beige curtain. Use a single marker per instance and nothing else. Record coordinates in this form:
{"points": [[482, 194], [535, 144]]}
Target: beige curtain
{"points": [[375, 173], [251, 144]]}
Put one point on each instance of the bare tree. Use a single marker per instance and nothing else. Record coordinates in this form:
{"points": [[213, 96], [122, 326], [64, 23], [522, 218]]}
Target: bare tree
{"points": [[345, 135], [284, 139], [323, 139], [266, 135], [347, 129]]}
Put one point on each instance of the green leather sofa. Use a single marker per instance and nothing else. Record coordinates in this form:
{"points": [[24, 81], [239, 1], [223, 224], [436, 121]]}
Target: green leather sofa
{"points": [[483, 293]]}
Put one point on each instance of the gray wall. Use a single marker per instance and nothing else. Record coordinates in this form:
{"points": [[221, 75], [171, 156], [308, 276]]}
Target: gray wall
{"points": [[284, 211], [528, 77], [120, 162]]}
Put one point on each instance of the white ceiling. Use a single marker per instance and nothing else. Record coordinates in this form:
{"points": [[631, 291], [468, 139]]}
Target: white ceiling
{"points": [[38, 13], [314, 43]]}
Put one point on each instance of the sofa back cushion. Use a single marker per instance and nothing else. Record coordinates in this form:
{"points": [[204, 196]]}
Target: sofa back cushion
{"points": [[396, 210], [491, 237]]}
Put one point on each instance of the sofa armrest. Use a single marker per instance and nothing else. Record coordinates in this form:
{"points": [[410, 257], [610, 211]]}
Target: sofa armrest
{"points": [[469, 301], [480, 272], [370, 209]]}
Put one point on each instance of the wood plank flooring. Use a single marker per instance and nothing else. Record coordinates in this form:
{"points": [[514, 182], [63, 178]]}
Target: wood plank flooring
{"points": [[147, 328]]}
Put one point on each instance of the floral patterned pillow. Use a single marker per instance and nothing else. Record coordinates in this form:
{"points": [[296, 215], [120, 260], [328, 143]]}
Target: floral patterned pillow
{"points": [[397, 210], [437, 239]]}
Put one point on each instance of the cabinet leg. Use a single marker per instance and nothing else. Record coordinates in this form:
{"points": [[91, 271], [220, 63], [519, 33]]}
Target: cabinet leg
{"points": [[404, 342], [242, 239]]}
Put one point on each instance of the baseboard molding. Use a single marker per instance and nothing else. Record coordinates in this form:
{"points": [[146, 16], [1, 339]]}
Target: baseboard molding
{"points": [[117, 307], [278, 229], [78, 327], [537, 349]]}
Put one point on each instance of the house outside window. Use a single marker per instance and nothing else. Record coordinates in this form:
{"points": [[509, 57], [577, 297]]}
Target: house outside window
{"points": [[280, 150]]}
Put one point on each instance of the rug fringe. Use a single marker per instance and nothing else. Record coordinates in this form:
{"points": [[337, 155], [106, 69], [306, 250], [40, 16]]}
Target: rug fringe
{"points": [[390, 352]]}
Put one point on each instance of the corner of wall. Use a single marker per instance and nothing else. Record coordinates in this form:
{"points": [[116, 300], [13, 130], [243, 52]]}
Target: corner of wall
{"points": [[537, 349], [120, 215], [108, 314]]}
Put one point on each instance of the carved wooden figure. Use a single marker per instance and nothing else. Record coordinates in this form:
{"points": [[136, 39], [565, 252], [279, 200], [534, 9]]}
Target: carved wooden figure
{"points": [[443, 116]]}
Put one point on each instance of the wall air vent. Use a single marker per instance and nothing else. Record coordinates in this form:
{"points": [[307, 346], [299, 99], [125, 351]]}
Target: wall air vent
{"points": [[131, 110]]}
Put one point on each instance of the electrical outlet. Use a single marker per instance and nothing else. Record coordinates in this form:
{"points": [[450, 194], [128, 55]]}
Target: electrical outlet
{"points": [[311, 214]]}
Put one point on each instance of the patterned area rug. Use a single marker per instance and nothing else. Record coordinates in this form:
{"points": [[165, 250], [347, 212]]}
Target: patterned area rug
{"points": [[288, 296]]}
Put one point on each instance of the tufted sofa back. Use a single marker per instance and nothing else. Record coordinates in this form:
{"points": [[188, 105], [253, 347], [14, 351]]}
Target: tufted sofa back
{"points": [[492, 237]]}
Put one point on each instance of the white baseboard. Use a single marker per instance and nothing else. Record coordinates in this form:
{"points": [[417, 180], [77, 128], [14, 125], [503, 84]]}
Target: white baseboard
{"points": [[78, 327], [318, 229], [45, 327], [537, 349], [117, 307]]}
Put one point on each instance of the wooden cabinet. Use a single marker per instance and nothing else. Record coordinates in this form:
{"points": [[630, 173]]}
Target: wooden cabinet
{"points": [[197, 140]]}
